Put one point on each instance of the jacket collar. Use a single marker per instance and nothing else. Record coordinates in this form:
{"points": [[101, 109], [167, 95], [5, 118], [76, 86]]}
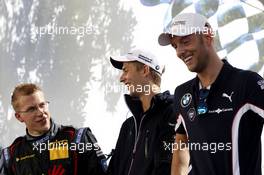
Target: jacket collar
{"points": [[135, 106], [50, 134], [222, 76]]}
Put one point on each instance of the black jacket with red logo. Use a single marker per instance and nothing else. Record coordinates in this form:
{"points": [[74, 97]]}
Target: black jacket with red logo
{"points": [[64, 150]]}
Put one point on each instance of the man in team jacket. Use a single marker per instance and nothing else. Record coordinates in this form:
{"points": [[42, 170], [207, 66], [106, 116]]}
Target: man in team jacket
{"points": [[143, 146], [48, 148]]}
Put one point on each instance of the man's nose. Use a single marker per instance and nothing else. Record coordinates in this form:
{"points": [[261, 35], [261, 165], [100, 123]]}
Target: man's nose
{"points": [[122, 78], [180, 51]]}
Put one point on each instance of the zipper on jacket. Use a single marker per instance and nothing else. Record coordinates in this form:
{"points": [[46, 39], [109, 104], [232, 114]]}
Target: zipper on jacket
{"points": [[146, 144], [136, 140], [135, 122]]}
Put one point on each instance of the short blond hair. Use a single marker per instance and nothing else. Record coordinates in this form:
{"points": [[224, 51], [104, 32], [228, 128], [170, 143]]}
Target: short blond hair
{"points": [[23, 90]]}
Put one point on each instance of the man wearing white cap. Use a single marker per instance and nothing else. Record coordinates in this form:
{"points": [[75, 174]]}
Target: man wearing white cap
{"points": [[220, 112], [143, 146]]}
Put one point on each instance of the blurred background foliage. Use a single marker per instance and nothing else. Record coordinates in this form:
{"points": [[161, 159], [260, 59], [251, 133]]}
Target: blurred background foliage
{"points": [[61, 63]]}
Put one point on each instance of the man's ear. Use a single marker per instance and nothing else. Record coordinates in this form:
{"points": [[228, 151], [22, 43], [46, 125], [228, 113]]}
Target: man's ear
{"points": [[207, 39], [18, 117], [209, 34], [146, 70]]}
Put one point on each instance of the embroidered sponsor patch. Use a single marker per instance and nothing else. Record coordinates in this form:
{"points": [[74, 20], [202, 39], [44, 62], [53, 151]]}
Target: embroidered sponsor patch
{"points": [[261, 84], [229, 97], [186, 100], [149, 60], [42, 140], [218, 111], [79, 135], [25, 157], [58, 150], [191, 114]]}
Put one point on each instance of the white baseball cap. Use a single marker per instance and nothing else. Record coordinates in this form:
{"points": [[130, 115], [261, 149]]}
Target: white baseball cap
{"points": [[182, 25], [139, 55]]}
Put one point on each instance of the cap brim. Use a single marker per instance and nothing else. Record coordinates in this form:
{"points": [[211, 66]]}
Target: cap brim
{"points": [[117, 62], [164, 39]]}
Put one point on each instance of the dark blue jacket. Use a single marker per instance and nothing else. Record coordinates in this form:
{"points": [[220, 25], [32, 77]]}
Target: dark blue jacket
{"points": [[142, 146]]}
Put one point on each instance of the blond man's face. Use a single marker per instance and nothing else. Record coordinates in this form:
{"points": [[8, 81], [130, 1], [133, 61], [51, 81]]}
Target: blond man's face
{"points": [[33, 111], [133, 78]]}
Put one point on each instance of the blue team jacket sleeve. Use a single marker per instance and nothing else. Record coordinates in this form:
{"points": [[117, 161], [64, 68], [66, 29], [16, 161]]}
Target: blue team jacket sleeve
{"points": [[91, 160]]}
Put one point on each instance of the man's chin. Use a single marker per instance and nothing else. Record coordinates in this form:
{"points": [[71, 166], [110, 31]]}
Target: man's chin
{"points": [[46, 125], [192, 69]]}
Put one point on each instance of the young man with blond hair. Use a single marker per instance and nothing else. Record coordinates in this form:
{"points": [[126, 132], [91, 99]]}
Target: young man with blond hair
{"points": [[48, 148], [142, 145]]}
